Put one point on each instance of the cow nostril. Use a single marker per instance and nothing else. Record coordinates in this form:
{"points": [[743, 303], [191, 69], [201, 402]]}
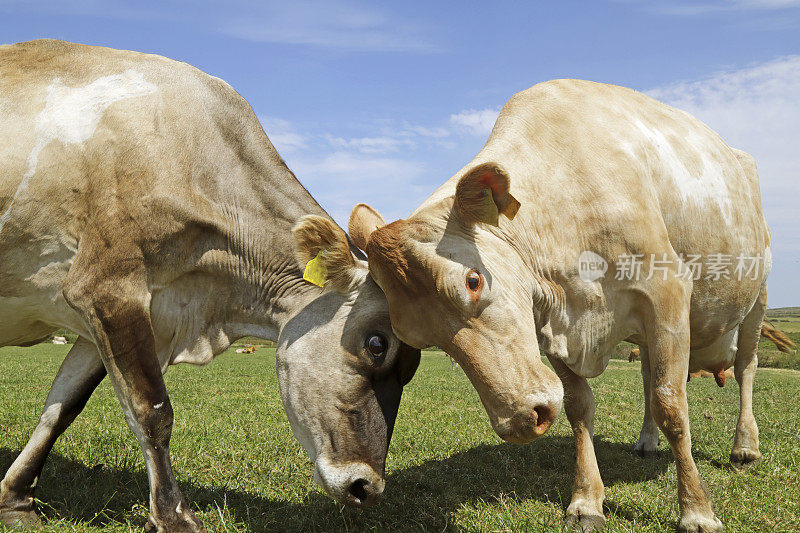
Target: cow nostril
{"points": [[544, 417], [360, 489]]}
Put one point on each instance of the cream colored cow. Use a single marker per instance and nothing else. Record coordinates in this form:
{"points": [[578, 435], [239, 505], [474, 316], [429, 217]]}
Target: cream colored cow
{"points": [[534, 247], [143, 207]]}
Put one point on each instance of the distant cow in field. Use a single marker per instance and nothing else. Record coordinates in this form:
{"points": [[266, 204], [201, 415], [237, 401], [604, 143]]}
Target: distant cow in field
{"points": [[577, 226], [143, 207]]}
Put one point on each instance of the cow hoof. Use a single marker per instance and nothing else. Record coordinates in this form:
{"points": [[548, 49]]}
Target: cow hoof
{"points": [[647, 445], [579, 523], [645, 453], [744, 458], [19, 519], [185, 522], [700, 524], [646, 450]]}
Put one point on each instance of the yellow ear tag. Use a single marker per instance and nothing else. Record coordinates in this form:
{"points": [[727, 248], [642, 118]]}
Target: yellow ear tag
{"points": [[316, 272]]}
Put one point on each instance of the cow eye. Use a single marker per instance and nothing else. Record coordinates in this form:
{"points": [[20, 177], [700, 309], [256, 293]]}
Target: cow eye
{"points": [[474, 280], [376, 345]]}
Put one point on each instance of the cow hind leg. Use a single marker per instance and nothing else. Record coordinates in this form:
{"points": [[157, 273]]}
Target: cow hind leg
{"points": [[80, 373], [745, 451], [117, 313], [647, 446], [585, 511]]}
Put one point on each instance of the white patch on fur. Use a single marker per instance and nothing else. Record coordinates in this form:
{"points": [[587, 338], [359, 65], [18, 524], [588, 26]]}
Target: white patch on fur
{"points": [[710, 186], [51, 413], [158, 405], [667, 391], [71, 115], [767, 267]]}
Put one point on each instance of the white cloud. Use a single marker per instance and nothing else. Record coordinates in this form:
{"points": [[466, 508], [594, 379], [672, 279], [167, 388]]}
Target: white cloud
{"points": [[757, 109], [371, 145], [353, 168], [330, 23], [341, 179], [345, 24], [389, 166], [691, 8], [475, 121], [767, 4], [422, 131], [283, 135]]}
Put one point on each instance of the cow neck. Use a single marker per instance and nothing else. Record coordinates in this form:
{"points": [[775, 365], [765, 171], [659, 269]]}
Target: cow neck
{"points": [[261, 251]]}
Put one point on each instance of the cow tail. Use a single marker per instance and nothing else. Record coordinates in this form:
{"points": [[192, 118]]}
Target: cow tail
{"points": [[781, 340]]}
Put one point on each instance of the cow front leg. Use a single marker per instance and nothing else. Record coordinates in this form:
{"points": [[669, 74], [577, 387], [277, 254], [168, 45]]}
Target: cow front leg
{"points": [[745, 452], [140, 389], [647, 446], [80, 373], [669, 363], [585, 511], [117, 313]]}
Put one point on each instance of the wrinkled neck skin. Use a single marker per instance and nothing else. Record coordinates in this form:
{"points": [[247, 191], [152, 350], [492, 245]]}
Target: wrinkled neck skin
{"points": [[273, 288], [242, 275]]}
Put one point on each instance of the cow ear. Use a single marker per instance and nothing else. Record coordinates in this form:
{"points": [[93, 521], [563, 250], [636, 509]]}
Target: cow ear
{"points": [[482, 195], [363, 221], [324, 255]]}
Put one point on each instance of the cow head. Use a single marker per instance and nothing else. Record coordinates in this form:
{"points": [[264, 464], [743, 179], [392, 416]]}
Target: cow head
{"points": [[341, 369], [454, 280]]}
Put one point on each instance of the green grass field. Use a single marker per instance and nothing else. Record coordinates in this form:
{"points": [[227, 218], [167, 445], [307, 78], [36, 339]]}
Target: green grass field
{"points": [[786, 319], [239, 465]]}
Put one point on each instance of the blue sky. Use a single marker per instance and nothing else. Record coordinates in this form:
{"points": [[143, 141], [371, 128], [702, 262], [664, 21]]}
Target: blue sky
{"points": [[382, 102]]}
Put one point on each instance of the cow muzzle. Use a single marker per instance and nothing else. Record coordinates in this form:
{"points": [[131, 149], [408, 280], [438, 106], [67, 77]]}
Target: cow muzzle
{"points": [[533, 420], [353, 483]]}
